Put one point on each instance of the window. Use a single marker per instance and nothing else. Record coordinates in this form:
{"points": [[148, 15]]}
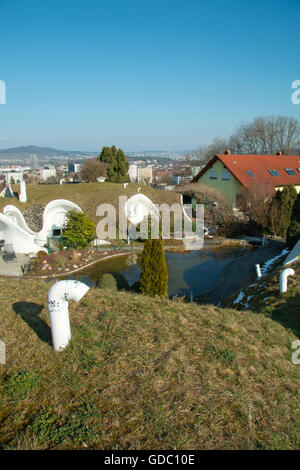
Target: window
{"points": [[225, 175], [273, 172], [290, 171], [250, 173], [298, 169], [213, 175]]}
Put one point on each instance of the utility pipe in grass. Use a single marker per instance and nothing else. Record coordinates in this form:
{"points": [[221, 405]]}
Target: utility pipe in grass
{"points": [[58, 297], [284, 277]]}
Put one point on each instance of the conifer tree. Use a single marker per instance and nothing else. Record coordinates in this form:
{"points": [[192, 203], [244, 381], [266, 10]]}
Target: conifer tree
{"points": [[154, 273], [284, 200], [116, 164], [293, 232]]}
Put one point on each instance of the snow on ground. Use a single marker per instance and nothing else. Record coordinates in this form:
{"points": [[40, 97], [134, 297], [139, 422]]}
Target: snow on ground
{"points": [[269, 263], [266, 267], [239, 298]]}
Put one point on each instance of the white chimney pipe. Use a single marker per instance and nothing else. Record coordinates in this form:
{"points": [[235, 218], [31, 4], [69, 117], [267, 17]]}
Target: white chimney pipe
{"points": [[23, 195], [283, 279], [58, 297]]}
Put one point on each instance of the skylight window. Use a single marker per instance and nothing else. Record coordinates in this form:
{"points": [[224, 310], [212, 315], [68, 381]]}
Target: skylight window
{"points": [[290, 171], [273, 172], [250, 173]]}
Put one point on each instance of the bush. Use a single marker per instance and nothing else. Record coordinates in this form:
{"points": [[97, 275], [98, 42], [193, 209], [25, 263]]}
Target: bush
{"points": [[107, 281], [222, 214], [92, 169], [154, 275], [79, 231]]}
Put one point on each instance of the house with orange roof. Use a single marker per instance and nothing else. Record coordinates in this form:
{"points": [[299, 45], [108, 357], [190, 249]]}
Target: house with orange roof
{"points": [[232, 174]]}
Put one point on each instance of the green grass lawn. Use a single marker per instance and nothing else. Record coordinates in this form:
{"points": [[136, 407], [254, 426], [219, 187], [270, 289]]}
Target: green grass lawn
{"points": [[87, 195], [142, 373]]}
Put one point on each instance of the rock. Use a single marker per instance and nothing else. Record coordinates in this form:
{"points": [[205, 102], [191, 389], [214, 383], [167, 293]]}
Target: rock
{"points": [[75, 266]]}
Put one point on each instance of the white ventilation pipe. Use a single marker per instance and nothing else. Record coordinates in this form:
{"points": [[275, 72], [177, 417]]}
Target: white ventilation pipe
{"points": [[58, 297], [139, 189], [258, 271], [125, 185], [23, 195], [284, 277]]}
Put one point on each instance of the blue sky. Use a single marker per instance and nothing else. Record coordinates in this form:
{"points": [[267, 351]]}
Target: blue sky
{"points": [[141, 74]]}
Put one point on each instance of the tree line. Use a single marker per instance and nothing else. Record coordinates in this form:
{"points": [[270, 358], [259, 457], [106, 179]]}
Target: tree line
{"points": [[262, 136]]}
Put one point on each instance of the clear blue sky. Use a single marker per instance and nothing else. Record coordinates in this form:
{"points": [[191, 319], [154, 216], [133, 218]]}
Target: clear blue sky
{"points": [[143, 74]]}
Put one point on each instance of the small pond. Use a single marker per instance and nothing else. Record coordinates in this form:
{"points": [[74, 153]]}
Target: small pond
{"points": [[196, 271]]}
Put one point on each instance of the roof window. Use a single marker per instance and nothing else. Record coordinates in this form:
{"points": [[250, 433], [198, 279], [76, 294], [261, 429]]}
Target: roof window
{"points": [[273, 172], [290, 171], [250, 173]]}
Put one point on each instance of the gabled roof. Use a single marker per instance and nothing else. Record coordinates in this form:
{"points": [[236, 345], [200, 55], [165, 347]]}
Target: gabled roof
{"points": [[259, 166]]}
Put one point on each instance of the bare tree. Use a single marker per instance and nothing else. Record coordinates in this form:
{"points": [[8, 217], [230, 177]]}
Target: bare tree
{"points": [[266, 135], [92, 169], [206, 153], [256, 202]]}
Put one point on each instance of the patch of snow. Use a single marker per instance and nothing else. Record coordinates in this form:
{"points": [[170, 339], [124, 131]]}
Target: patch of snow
{"points": [[269, 263], [239, 298]]}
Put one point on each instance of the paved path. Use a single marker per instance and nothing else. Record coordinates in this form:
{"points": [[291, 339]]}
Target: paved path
{"points": [[13, 268]]}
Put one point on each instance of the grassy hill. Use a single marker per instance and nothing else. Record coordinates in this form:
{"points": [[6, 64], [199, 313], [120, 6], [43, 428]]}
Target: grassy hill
{"points": [[263, 297], [142, 373], [87, 195]]}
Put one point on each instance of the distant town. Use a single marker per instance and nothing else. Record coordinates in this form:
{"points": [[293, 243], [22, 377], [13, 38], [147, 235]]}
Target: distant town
{"points": [[164, 169]]}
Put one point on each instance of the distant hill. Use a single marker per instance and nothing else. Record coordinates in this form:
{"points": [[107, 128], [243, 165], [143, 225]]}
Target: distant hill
{"points": [[23, 153]]}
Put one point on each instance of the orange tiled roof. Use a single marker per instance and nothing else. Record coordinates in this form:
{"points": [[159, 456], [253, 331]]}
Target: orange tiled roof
{"points": [[259, 166]]}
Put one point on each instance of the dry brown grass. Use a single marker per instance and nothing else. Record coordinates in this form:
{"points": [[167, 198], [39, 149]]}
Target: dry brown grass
{"points": [[264, 297], [143, 373]]}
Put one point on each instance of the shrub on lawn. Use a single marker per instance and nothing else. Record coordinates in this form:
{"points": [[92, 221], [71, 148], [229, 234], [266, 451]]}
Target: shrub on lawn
{"points": [[79, 231], [154, 275], [107, 281]]}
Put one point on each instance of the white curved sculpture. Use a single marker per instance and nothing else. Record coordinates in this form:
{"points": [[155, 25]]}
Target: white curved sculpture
{"points": [[14, 229], [58, 297], [183, 209], [284, 277], [21, 240], [138, 207]]}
